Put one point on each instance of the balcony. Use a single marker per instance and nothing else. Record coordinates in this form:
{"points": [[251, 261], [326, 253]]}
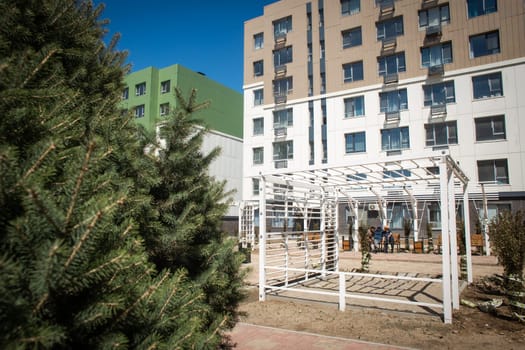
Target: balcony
{"points": [[392, 117], [388, 45], [279, 131], [280, 40], [428, 3], [280, 164], [434, 30], [280, 98], [386, 8], [280, 71], [390, 78], [438, 110], [436, 70]]}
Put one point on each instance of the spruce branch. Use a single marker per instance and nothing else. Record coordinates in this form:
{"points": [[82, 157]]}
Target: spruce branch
{"points": [[104, 265], [88, 231], [146, 294], [39, 66], [224, 319], [80, 178], [43, 209], [39, 161]]}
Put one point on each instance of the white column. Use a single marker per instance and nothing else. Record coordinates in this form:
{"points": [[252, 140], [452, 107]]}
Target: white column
{"points": [[262, 239], [466, 215], [445, 241], [453, 239]]}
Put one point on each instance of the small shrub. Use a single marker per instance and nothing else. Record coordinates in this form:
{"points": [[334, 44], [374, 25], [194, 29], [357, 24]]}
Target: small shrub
{"points": [[365, 249]]}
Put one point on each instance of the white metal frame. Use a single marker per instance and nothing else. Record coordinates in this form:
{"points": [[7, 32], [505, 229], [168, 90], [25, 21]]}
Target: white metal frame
{"points": [[317, 192]]}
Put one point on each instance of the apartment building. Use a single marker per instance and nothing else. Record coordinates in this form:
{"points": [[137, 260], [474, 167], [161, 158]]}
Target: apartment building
{"points": [[150, 95], [335, 82]]}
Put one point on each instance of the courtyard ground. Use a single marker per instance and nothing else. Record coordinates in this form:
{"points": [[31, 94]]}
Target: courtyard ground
{"points": [[422, 330]]}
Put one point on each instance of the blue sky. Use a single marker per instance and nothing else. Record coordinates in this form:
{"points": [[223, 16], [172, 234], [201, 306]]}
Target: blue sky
{"points": [[204, 36]]}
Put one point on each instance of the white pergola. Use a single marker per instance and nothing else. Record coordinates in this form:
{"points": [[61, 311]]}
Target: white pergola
{"points": [[299, 198]]}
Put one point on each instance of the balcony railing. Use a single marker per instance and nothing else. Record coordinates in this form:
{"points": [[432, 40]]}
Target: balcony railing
{"points": [[388, 44], [390, 78], [437, 69], [392, 116], [280, 71], [280, 164], [280, 98], [280, 131], [386, 8], [434, 30], [438, 110], [280, 40]]}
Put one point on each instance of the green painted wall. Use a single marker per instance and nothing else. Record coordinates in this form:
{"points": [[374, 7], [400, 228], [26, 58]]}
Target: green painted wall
{"points": [[225, 113]]}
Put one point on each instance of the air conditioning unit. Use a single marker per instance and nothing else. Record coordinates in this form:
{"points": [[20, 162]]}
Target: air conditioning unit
{"points": [[373, 207]]}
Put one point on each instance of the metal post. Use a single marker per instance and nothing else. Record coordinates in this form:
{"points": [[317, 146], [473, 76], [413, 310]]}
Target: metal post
{"points": [[466, 215], [342, 291], [445, 238], [453, 240], [262, 239]]}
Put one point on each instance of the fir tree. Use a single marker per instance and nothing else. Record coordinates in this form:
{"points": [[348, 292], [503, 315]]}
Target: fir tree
{"points": [[74, 181], [191, 205]]}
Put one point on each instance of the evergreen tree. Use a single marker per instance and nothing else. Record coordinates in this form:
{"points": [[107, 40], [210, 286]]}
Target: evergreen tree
{"points": [[191, 205], [75, 193]]}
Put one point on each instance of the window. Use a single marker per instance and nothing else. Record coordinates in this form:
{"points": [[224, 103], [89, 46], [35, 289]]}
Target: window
{"points": [[323, 83], [258, 97], [439, 94], [488, 85], [139, 111], [310, 52], [282, 56], [140, 89], [282, 26], [397, 212], [283, 150], [255, 187], [283, 86], [395, 139], [440, 134], [390, 28], [352, 71], [392, 64], [493, 210], [165, 87], [283, 118], [389, 174], [481, 7], [490, 128], [434, 214], [258, 155], [258, 68], [355, 142], [393, 101], [125, 93], [258, 41], [350, 7], [434, 16], [484, 44], [436, 55], [352, 37], [321, 49], [164, 109], [354, 106], [493, 171], [356, 177], [258, 126]]}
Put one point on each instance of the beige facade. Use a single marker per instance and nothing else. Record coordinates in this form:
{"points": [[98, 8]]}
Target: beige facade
{"points": [[508, 20]]}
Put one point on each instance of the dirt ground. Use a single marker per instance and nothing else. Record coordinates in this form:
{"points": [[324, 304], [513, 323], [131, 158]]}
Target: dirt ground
{"points": [[470, 327]]}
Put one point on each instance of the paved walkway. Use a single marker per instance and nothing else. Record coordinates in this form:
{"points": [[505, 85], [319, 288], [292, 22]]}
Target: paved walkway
{"points": [[252, 337]]}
